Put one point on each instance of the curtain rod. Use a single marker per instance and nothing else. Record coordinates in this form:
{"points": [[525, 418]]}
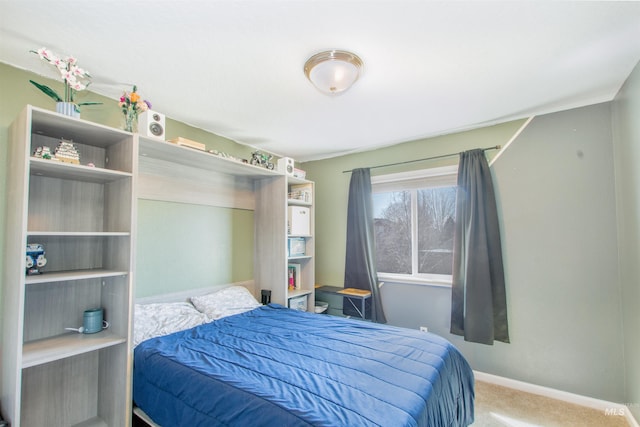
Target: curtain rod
{"points": [[497, 147]]}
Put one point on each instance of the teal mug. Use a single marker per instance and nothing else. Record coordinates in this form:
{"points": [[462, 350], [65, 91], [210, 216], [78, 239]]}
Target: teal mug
{"points": [[93, 321]]}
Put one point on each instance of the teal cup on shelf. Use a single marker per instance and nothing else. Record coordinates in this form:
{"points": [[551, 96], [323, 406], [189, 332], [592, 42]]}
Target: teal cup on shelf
{"points": [[92, 320]]}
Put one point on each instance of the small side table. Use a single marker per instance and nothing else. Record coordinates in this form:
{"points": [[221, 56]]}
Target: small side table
{"points": [[351, 294]]}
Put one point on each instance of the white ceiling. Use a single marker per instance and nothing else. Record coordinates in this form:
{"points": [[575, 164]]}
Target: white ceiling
{"points": [[234, 67]]}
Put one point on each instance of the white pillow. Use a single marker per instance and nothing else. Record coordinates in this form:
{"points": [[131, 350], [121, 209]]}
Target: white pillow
{"points": [[225, 302], [154, 320]]}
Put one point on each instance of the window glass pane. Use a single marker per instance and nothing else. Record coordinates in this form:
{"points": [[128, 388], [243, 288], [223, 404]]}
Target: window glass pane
{"points": [[436, 214], [392, 226]]}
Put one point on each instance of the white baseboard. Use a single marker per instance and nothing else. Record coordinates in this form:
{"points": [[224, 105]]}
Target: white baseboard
{"points": [[565, 396]]}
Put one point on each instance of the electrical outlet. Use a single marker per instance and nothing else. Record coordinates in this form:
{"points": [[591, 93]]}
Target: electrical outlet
{"points": [[424, 329]]}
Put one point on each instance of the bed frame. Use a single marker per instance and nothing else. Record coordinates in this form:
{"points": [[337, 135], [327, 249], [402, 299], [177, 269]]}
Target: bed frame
{"points": [[182, 296]]}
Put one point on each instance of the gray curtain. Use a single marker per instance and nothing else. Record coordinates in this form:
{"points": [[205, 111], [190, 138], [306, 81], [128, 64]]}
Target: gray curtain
{"points": [[360, 268], [478, 300]]}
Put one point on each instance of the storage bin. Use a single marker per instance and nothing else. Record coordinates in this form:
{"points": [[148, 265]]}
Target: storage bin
{"points": [[321, 307], [298, 221], [298, 303]]}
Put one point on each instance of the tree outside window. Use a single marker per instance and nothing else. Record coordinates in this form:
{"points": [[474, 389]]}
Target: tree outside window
{"points": [[436, 219], [392, 228], [414, 228]]}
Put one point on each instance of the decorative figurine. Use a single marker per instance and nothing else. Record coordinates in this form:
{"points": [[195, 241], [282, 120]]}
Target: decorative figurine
{"points": [[35, 258], [261, 159], [66, 152], [43, 153]]}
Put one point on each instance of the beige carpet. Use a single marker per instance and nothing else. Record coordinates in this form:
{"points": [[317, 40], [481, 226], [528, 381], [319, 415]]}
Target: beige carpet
{"points": [[497, 406]]}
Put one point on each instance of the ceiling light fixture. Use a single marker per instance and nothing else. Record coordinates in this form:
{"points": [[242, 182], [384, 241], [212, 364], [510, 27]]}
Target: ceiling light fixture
{"points": [[333, 71]]}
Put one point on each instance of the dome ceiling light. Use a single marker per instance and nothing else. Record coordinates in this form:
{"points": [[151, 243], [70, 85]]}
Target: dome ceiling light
{"points": [[333, 71]]}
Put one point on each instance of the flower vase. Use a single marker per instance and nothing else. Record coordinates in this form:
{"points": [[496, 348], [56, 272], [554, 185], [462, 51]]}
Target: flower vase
{"points": [[131, 121], [68, 109]]}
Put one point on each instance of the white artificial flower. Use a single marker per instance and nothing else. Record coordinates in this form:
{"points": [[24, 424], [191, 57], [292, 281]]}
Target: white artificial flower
{"points": [[77, 71], [44, 53], [69, 77], [70, 73], [60, 64]]}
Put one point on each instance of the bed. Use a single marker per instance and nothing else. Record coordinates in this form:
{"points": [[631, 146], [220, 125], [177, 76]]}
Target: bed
{"points": [[272, 366]]}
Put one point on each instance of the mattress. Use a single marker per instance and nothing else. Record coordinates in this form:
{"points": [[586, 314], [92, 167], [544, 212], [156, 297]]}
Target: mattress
{"points": [[273, 366]]}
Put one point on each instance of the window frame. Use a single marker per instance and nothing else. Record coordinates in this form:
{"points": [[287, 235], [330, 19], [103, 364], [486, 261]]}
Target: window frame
{"points": [[443, 176]]}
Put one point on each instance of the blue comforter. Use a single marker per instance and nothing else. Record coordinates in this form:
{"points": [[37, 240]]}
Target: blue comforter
{"points": [[273, 366]]}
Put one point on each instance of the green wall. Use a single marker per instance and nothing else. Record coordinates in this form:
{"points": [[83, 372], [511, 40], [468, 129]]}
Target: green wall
{"points": [[223, 237], [627, 156], [182, 246], [555, 189]]}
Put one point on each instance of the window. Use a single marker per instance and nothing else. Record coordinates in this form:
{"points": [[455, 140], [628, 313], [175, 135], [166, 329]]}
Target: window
{"points": [[414, 216]]}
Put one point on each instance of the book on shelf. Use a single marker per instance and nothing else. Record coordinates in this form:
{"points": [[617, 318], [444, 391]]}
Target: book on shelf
{"points": [[293, 276]]}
